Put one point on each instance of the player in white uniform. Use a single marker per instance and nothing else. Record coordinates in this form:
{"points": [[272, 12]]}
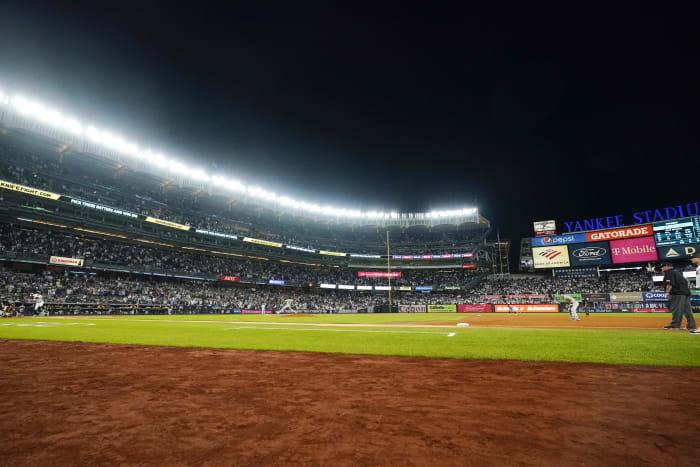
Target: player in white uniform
{"points": [[572, 305], [38, 304], [287, 307]]}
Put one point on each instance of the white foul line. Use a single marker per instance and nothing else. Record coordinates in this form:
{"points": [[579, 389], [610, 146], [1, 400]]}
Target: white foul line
{"points": [[336, 330]]}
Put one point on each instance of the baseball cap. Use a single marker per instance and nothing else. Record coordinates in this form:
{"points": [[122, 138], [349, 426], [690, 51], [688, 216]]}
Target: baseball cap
{"points": [[695, 256], [664, 264]]}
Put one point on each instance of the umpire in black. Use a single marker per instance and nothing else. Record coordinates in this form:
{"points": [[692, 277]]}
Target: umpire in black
{"points": [[678, 294]]}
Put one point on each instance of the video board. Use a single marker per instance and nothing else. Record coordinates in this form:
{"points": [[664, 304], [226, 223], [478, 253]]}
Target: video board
{"points": [[677, 232]]}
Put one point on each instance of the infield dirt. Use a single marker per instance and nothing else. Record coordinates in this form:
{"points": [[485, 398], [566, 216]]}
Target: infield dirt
{"points": [[103, 404]]}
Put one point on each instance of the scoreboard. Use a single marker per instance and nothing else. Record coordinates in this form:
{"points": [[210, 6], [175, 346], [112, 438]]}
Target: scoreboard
{"points": [[677, 232]]}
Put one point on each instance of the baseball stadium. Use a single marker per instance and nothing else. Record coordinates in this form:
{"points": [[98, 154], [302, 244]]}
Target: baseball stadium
{"points": [[155, 313], [251, 235]]}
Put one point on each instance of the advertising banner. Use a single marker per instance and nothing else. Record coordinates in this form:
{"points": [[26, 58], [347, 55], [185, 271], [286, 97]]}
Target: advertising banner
{"points": [[528, 296], [654, 296], [364, 287], [469, 266], [332, 253], [165, 223], [626, 296], [649, 310], [474, 308], [412, 309], [28, 190], [229, 278], [262, 242], [677, 252], [378, 274], [493, 297], [590, 254], [256, 312], [107, 209], [60, 260], [559, 239], [633, 250], [615, 234], [424, 288], [595, 297], [214, 234], [551, 257], [405, 288], [328, 286], [442, 308], [524, 308], [275, 282]]}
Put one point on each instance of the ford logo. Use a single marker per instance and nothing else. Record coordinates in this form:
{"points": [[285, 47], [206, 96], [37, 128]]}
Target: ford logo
{"points": [[589, 252]]}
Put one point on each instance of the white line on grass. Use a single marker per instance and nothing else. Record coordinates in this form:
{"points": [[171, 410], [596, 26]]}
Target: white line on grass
{"points": [[335, 330]]}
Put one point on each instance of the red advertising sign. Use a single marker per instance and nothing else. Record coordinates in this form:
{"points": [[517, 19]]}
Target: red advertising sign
{"points": [[468, 266], [467, 255], [65, 261], [229, 278], [528, 296], [520, 308], [615, 234], [481, 308], [492, 297], [633, 250], [378, 274], [650, 310]]}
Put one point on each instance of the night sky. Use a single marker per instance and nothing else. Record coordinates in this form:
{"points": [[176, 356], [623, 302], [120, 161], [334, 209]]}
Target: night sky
{"points": [[535, 118]]}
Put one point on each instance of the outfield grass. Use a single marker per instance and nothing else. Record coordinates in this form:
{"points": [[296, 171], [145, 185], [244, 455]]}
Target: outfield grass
{"points": [[264, 333]]}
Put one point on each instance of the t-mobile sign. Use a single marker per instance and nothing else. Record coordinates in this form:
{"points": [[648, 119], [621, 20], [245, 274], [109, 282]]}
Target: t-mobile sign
{"points": [[633, 250]]}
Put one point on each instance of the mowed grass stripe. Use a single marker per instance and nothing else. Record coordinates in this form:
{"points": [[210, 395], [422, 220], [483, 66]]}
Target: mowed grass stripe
{"points": [[600, 346]]}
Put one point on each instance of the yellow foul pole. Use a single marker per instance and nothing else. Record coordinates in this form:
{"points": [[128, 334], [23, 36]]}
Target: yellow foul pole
{"points": [[388, 267]]}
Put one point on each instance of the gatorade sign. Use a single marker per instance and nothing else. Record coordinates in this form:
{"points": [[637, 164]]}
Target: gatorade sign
{"points": [[616, 234]]}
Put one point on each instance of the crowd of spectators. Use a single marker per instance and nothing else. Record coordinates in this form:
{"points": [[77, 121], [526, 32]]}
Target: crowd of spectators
{"points": [[70, 288], [623, 281], [45, 243], [201, 211]]}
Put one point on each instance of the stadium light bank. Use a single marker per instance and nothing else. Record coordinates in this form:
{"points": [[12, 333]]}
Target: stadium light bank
{"points": [[53, 123]]}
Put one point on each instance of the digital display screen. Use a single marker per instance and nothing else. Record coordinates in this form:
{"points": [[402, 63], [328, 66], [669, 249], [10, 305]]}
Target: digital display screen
{"points": [[677, 232]]}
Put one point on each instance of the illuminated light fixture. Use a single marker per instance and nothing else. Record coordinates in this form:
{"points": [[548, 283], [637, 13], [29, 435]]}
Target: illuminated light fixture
{"points": [[35, 110], [227, 253], [193, 248], [143, 240], [100, 232]]}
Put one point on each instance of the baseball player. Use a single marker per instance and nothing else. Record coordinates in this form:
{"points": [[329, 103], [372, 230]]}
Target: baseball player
{"points": [[572, 305], [287, 306], [38, 304]]}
